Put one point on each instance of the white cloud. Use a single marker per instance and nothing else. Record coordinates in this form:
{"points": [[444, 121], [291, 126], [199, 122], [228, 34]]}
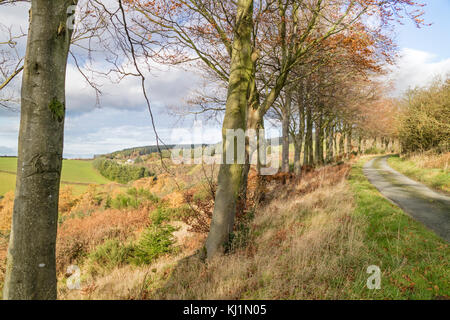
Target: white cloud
{"points": [[9, 128], [16, 15], [166, 86], [416, 68]]}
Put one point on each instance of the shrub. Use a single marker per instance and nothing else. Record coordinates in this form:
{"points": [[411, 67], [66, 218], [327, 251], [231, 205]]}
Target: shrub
{"points": [[131, 199], [122, 201], [66, 200], [159, 215], [424, 123], [112, 253], [157, 240]]}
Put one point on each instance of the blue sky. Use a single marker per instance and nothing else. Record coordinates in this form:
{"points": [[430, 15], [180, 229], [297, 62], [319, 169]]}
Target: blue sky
{"points": [[122, 120], [434, 39]]}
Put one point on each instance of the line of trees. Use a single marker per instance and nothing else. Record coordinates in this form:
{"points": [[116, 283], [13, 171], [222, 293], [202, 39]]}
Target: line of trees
{"points": [[140, 151], [121, 173], [262, 54]]}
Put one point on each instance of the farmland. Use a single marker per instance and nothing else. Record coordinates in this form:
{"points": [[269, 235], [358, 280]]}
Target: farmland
{"points": [[77, 173]]}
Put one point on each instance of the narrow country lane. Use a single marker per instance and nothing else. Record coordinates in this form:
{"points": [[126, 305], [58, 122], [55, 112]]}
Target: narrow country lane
{"points": [[420, 202]]}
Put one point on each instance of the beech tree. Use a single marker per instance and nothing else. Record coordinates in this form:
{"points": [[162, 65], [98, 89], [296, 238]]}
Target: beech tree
{"points": [[31, 267]]}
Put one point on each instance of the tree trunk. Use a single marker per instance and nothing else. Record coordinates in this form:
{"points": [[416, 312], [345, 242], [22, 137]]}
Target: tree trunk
{"points": [[297, 160], [31, 266], [319, 141], [253, 123], [308, 155], [335, 143], [341, 143], [349, 142], [359, 144], [305, 151], [230, 175], [298, 141], [329, 134], [285, 133]]}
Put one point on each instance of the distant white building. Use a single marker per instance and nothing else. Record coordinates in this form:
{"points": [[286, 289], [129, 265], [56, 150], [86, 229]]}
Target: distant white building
{"points": [[130, 161]]}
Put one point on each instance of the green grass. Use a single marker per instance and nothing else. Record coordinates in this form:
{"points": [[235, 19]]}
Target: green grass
{"points": [[7, 182], [415, 263], [81, 171], [74, 171], [438, 179], [8, 164]]}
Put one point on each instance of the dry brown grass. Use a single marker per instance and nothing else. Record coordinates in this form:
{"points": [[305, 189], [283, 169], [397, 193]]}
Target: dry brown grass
{"points": [[299, 247], [6, 209], [302, 240], [77, 236], [432, 160], [129, 281]]}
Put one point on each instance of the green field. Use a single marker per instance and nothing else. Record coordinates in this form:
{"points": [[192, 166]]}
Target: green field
{"points": [[7, 182], [77, 173]]}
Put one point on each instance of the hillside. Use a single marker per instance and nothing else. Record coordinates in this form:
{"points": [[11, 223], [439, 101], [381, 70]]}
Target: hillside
{"points": [[142, 151], [312, 238]]}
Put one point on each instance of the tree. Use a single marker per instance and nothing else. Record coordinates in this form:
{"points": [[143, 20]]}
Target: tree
{"points": [[423, 122], [230, 175], [31, 267]]}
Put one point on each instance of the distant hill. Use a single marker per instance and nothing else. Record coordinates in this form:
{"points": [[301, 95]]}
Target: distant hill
{"points": [[145, 150], [140, 151]]}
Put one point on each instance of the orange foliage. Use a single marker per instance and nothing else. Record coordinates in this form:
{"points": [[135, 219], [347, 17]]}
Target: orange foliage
{"points": [[164, 184], [310, 180], [199, 218], [323, 177], [175, 199], [66, 200], [6, 209], [87, 202]]}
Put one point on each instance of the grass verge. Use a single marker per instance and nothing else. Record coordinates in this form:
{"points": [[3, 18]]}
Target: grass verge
{"points": [[437, 178], [414, 261]]}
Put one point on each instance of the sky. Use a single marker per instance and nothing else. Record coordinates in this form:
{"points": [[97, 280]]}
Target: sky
{"points": [[122, 120]]}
